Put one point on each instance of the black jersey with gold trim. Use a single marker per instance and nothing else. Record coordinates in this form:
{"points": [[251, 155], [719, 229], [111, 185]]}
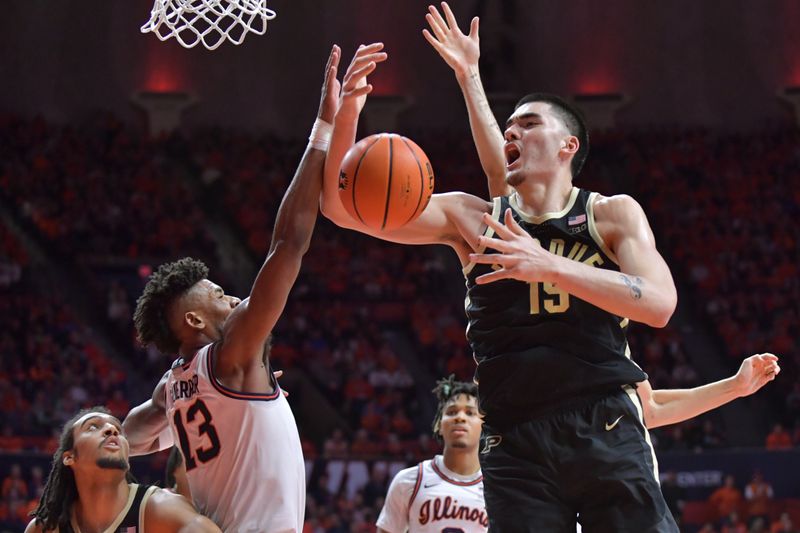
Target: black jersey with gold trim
{"points": [[537, 347]]}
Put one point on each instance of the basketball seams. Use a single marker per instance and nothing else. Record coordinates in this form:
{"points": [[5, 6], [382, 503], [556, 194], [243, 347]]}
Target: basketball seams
{"points": [[421, 180], [389, 181], [355, 176]]}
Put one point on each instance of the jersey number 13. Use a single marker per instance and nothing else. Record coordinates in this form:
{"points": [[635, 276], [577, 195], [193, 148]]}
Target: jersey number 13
{"points": [[204, 454]]}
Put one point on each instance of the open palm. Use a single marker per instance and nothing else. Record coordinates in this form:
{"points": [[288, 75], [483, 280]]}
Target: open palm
{"points": [[460, 51]]}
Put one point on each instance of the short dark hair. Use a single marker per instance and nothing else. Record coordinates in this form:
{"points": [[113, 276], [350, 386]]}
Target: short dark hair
{"points": [[164, 287], [446, 389], [60, 492], [573, 120]]}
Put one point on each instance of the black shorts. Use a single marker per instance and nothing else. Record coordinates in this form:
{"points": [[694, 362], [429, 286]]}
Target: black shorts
{"points": [[593, 464]]}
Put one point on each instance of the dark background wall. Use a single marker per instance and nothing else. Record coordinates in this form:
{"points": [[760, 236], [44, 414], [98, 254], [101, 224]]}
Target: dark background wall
{"points": [[713, 62]]}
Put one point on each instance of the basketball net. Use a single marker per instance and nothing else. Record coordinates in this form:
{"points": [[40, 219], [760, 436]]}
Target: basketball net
{"points": [[210, 22]]}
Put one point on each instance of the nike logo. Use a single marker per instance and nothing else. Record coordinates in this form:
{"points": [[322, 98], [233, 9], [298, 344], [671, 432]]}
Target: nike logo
{"points": [[429, 485], [613, 424]]}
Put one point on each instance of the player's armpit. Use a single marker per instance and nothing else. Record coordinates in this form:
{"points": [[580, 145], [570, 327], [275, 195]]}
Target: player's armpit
{"points": [[622, 225], [146, 422]]}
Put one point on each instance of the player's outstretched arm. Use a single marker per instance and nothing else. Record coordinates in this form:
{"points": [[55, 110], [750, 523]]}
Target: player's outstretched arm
{"points": [[354, 95], [447, 218], [643, 290], [167, 512], [462, 52], [146, 426], [670, 406], [248, 327]]}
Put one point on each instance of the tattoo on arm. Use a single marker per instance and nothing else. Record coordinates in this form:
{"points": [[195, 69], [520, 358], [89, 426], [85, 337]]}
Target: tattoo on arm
{"points": [[635, 285]]}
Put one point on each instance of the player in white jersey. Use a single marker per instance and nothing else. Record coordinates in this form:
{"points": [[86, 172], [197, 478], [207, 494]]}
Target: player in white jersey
{"points": [[443, 494], [220, 403]]}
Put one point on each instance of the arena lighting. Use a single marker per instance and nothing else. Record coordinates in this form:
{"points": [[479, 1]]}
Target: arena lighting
{"points": [[600, 109], [791, 94], [163, 109]]}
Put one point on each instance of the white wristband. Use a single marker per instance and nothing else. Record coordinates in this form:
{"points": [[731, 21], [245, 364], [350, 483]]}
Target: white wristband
{"points": [[321, 134]]}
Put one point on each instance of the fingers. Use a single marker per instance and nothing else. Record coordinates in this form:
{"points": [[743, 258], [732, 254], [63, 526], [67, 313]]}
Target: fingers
{"points": [[278, 374], [352, 82], [491, 277], [491, 259], [512, 224], [473, 28], [498, 228], [451, 19], [432, 40], [495, 244], [437, 23], [333, 59]]}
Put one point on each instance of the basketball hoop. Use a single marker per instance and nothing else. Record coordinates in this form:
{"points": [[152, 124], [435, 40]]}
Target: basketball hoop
{"points": [[210, 22]]}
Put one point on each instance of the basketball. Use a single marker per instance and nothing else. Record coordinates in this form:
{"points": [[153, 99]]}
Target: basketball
{"points": [[386, 181]]}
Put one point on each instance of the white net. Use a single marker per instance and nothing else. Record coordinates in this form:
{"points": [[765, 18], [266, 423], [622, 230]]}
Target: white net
{"points": [[210, 22]]}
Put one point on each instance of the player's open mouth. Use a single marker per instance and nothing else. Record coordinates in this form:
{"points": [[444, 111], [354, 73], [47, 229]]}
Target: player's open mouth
{"points": [[512, 154], [112, 444]]}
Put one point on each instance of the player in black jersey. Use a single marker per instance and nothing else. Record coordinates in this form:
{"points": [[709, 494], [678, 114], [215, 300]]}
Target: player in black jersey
{"points": [[565, 434], [90, 487], [551, 351]]}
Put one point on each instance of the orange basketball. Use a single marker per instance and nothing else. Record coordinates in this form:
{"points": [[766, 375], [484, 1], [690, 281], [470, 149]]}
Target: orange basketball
{"points": [[386, 181]]}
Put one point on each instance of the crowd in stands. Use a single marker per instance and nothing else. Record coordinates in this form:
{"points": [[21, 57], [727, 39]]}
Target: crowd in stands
{"points": [[102, 190]]}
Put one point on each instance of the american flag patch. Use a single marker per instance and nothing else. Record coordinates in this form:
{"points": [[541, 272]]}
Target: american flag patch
{"points": [[580, 219]]}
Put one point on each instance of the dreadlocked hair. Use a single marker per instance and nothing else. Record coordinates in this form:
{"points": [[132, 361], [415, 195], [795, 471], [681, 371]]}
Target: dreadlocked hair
{"points": [[446, 389], [60, 491], [164, 287]]}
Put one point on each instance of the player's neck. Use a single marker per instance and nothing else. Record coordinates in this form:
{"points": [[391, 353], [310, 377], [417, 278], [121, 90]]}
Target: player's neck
{"points": [[538, 198], [462, 462], [99, 502]]}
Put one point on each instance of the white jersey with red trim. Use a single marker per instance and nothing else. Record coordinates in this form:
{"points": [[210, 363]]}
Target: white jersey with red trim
{"points": [[241, 450], [429, 498]]}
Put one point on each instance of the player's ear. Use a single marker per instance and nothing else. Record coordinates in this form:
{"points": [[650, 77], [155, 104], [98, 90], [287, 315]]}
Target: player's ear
{"points": [[67, 458], [570, 145], [193, 320]]}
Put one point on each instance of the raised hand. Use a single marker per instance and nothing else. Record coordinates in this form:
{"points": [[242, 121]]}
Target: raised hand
{"points": [[755, 372], [354, 85], [458, 50], [329, 98], [520, 256]]}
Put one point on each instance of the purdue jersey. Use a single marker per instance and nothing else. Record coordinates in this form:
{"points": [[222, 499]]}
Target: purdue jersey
{"points": [[539, 348], [130, 519], [241, 450], [429, 498]]}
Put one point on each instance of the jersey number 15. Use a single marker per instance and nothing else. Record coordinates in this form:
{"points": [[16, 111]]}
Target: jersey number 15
{"points": [[548, 298]]}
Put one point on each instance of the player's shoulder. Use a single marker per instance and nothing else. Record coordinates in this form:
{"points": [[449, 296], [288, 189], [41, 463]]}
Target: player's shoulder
{"points": [[34, 527], [616, 208], [407, 478]]}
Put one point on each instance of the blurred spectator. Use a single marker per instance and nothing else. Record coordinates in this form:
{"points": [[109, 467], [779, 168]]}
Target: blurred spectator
{"points": [[783, 525], [336, 446], [727, 499], [779, 438], [758, 494], [733, 524], [14, 486]]}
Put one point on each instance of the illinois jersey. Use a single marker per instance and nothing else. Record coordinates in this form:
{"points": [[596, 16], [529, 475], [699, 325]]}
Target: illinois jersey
{"points": [[537, 346], [241, 450], [429, 498]]}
